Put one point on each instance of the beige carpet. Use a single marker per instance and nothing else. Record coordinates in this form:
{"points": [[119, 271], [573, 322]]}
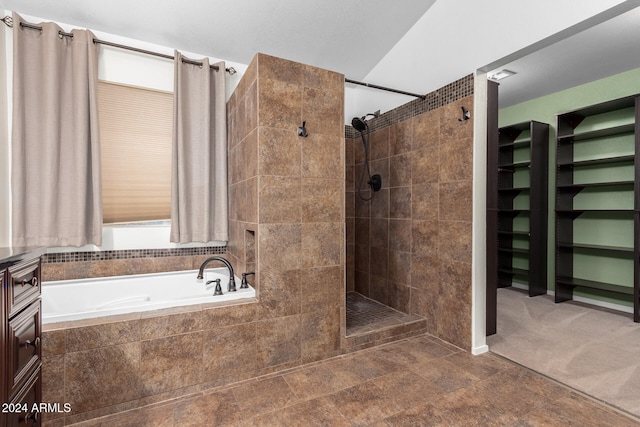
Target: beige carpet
{"points": [[593, 350]]}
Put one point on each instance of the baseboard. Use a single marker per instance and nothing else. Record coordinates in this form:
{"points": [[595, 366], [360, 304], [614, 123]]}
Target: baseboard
{"points": [[585, 300], [604, 304], [479, 350], [519, 286]]}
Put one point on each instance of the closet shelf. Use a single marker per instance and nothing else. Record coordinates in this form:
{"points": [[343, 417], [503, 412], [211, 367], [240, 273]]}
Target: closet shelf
{"points": [[514, 250], [592, 284], [512, 212], [571, 187], [508, 194], [522, 164], [514, 233], [595, 134], [515, 190], [574, 213], [576, 117], [515, 144], [568, 245], [514, 271], [617, 159]]}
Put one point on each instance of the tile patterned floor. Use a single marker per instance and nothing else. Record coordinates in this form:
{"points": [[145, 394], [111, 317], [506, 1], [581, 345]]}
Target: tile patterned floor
{"points": [[419, 381]]}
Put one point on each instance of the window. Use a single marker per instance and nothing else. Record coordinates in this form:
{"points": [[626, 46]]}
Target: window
{"points": [[135, 137]]}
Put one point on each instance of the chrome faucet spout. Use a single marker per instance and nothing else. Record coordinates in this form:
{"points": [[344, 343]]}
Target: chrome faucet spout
{"points": [[232, 282]]}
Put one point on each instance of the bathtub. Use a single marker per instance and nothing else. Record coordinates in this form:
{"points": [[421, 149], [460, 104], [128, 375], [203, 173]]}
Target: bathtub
{"points": [[68, 300]]}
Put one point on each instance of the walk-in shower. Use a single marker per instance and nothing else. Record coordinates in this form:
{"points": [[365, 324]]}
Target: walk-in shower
{"points": [[375, 181], [377, 286]]}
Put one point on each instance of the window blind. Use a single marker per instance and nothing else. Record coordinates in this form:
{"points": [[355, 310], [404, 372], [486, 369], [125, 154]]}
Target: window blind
{"points": [[135, 138]]}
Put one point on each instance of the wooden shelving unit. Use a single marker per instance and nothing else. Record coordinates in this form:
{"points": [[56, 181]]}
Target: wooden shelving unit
{"points": [[517, 206], [597, 200]]}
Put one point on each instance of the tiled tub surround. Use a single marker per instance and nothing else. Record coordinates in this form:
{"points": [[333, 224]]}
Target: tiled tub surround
{"points": [[108, 365], [410, 247]]}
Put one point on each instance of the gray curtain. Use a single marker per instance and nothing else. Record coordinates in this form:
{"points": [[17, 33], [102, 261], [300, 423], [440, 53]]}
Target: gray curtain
{"points": [[55, 162], [199, 164]]}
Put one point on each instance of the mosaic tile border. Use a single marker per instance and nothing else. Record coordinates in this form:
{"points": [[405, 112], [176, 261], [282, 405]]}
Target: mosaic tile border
{"points": [[131, 254], [438, 98]]}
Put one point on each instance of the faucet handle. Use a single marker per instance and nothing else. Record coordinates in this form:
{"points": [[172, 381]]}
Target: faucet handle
{"points": [[244, 284], [218, 290]]}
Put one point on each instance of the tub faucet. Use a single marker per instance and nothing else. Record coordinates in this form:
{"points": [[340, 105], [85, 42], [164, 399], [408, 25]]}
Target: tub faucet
{"points": [[232, 283]]}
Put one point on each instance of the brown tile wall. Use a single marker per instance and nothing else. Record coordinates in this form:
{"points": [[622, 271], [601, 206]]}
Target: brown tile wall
{"points": [[242, 128], [287, 195], [410, 247]]}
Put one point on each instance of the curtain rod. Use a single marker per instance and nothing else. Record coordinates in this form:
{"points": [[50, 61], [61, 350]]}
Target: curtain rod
{"points": [[423, 97], [8, 20]]}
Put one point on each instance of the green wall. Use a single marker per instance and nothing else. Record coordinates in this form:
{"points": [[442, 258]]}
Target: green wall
{"points": [[544, 109]]}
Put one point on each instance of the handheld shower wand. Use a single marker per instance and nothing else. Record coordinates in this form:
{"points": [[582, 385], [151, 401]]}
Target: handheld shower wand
{"points": [[375, 182]]}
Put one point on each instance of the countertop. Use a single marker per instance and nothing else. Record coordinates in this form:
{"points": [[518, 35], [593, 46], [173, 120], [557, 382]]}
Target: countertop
{"points": [[11, 255]]}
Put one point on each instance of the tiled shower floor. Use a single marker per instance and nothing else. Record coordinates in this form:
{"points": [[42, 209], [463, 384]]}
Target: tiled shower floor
{"points": [[365, 315]]}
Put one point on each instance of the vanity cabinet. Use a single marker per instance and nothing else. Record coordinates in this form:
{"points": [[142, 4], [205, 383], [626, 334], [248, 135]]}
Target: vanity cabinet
{"points": [[24, 346], [21, 336], [23, 285], [26, 398]]}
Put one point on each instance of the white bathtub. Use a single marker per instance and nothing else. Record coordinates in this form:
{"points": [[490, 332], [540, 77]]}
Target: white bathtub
{"points": [[67, 300]]}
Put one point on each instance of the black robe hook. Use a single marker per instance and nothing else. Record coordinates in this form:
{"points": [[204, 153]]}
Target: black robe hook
{"points": [[302, 130], [466, 115]]}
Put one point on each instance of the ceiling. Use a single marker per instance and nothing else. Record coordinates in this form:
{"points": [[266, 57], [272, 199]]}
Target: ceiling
{"points": [[350, 37], [599, 51]]}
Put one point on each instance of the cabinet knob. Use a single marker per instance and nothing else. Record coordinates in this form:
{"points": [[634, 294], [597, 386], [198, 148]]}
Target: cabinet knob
{"points": [[35, 343], [31, 416], [31, 282]]}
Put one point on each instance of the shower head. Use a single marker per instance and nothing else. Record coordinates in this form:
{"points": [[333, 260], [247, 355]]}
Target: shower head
{"points": [[359, 124]]}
